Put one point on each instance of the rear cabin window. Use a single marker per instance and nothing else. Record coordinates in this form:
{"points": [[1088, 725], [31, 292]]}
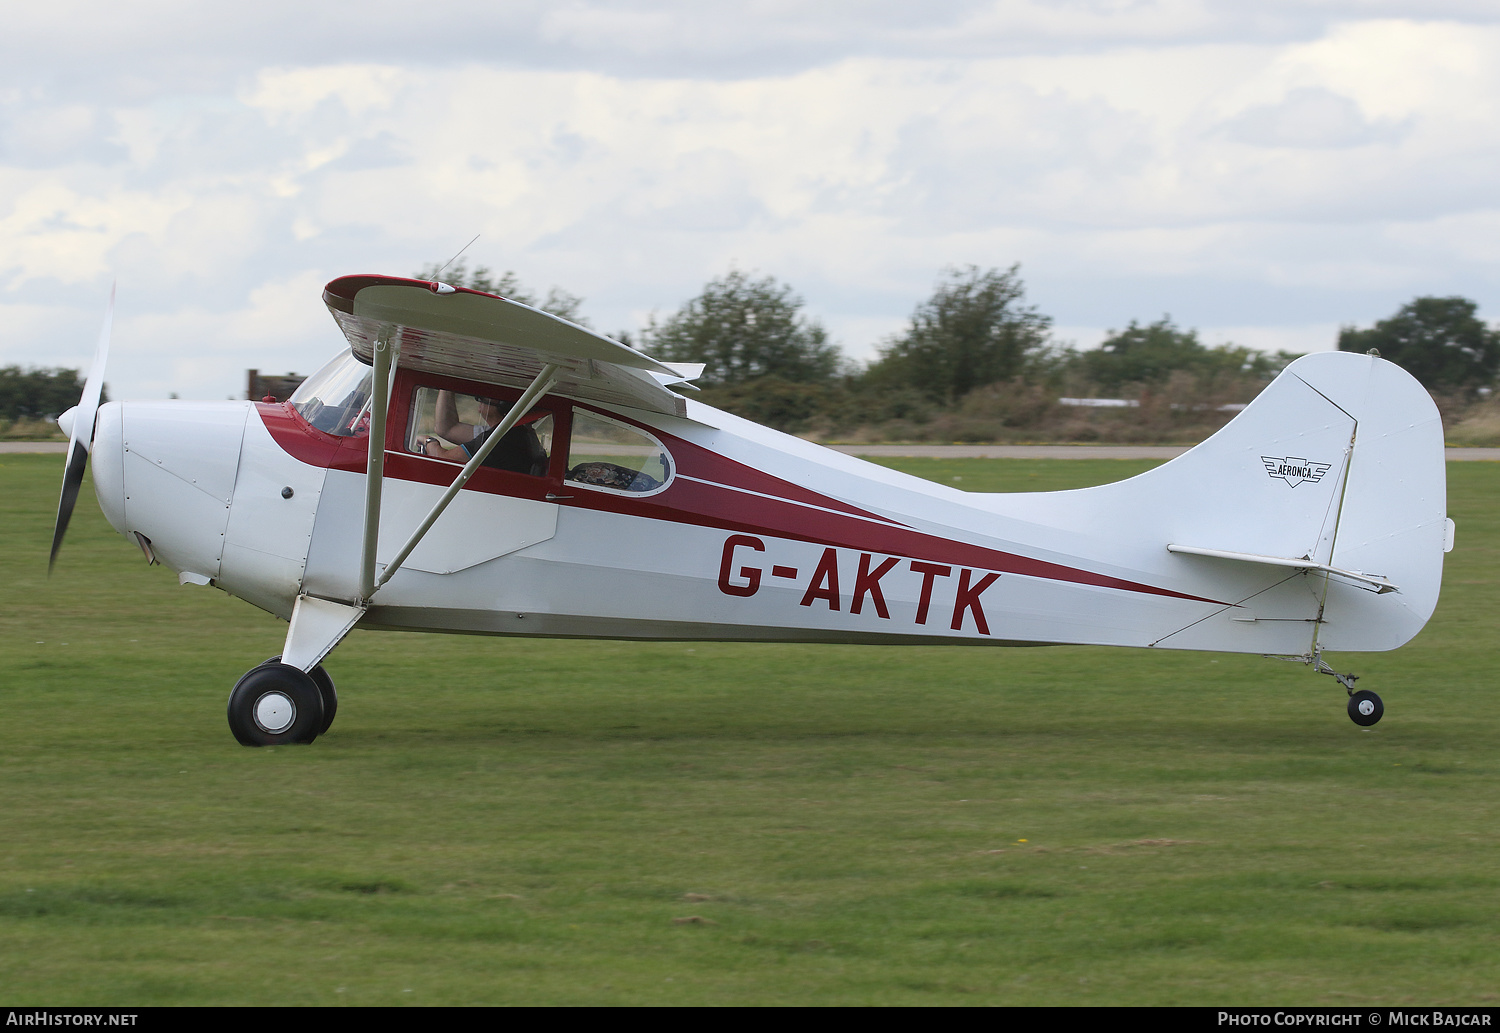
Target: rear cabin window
{"points": [[453, 426], [615, 457]]}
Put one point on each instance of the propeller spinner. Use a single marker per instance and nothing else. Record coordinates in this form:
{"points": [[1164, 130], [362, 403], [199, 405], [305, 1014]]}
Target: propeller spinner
{"points": [[78, 422]]}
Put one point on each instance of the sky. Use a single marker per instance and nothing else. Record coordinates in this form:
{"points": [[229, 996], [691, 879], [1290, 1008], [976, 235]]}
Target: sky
{"points": [[1264, 173]]}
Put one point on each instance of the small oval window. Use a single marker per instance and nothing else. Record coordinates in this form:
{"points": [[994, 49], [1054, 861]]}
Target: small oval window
{"points": [[603, 453]]}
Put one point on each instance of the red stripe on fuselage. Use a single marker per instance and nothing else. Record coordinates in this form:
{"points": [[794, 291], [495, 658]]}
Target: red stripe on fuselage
{"points": [[777, 509], [705, 464], [709, 505]]}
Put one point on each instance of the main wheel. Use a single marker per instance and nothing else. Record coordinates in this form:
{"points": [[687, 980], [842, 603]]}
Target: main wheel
{"points": [[275, 704], [330, 697], [1365, 708], [325, 687]]}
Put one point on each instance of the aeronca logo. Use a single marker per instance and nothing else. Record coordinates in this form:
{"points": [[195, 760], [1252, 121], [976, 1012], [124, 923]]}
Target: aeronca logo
{"points": [[1294, 470]]}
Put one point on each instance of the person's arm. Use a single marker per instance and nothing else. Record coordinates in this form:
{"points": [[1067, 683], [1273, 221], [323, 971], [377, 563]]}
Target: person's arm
{"points": [[433, 447], [446, 422]]}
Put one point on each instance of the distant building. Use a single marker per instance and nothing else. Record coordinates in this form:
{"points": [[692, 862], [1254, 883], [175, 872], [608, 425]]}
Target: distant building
{"points": [[1132, 403], [276, 389], [1096, 403]]}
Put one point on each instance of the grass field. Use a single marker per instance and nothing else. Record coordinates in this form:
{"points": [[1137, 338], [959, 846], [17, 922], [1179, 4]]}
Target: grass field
{"points": [[506, 821]]}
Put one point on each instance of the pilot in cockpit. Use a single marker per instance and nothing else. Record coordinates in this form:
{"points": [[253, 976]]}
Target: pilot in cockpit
{"points": [[519, 451]]}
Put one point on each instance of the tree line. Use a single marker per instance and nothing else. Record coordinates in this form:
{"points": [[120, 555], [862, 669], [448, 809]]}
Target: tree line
{"points": [[38, 393], [975, 361]]}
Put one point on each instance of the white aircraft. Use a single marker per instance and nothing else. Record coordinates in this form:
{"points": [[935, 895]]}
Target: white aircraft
{"points": [[539, 479]]}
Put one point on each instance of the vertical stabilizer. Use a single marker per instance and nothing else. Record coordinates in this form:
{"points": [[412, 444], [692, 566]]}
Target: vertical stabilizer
{"points": [[1318, 515]]}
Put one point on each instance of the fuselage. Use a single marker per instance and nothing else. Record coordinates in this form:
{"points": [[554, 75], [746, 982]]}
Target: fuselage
{"points": [[741, 533]]}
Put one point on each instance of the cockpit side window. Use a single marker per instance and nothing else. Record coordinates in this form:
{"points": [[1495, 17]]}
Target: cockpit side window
{"points": [[336, 399], [453, 426], [606, 454]]}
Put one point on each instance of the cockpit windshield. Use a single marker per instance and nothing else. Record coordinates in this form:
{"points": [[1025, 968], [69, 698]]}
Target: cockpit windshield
{"points": [[336, 399]]}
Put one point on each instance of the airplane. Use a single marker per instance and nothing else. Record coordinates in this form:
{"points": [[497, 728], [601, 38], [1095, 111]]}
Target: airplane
{"points": [[536, 478]]}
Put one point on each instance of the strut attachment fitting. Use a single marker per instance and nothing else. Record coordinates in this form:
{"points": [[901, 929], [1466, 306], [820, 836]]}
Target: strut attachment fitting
{"points": [[1316, 662]]}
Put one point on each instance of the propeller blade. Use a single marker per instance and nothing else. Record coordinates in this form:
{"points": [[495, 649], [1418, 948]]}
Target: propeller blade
{"points": [[81, 433]]}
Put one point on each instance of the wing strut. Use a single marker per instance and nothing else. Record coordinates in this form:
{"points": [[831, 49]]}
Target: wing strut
{"points": [[380, 398], [539, 386]]}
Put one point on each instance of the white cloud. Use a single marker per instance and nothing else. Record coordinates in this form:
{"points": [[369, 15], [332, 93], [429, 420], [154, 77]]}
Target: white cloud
{"points": [[1310, 116], [1282, 165]]}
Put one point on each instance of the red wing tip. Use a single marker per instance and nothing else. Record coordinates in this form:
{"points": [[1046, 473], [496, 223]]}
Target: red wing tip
{"points": [[339, 293]]}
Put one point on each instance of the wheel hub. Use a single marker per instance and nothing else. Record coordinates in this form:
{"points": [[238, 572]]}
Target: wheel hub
{"points": [[275, 712]]}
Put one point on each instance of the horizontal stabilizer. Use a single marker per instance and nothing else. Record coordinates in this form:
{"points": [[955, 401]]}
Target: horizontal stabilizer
{"points": [[1380, 584]]}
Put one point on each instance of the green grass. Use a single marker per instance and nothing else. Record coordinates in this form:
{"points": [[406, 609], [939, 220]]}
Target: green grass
{"points": [[506, 821]]}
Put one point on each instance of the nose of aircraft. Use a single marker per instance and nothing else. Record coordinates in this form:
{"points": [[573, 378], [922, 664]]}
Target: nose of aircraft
{"points": [[107, 459], [65, 421], [166, 470]]}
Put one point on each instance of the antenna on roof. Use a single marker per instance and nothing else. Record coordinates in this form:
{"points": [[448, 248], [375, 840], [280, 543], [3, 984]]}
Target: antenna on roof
{"points": [[454, 258]]}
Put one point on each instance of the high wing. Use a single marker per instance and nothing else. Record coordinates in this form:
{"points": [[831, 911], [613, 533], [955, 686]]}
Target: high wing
{"points": [[434, 327], [455, 331]]}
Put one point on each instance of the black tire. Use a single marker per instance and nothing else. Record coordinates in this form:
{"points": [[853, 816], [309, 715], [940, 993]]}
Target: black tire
{"points": [[274, 705], [330, 697], [1365, 708], [324, 683]]}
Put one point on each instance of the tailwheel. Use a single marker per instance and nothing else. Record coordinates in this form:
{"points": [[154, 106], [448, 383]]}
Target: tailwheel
{"points": [[275, 704], [1365, 707]]}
